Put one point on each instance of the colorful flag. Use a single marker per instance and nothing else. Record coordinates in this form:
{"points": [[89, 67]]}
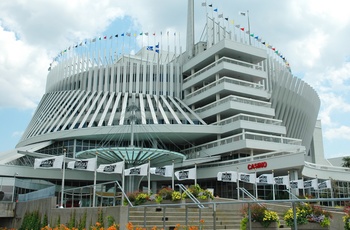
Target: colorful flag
{"points": [[165, 171], [111, 168], [141, 170], [48, 163], [216, 10], [188, 174], [86, 164]]}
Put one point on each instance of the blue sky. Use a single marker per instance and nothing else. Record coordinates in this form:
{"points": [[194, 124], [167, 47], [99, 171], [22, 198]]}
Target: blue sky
{"points": [[312, 35]]}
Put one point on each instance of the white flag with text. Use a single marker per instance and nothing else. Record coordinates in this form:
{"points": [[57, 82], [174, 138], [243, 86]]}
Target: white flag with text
{"points": [[247, 177], [84, 164], [141, 170], [265, 179], [296, 184], [229, 176], [166, 171], [111, 168], [49, 163], [187, 174], [324, 185], [282, 180]]}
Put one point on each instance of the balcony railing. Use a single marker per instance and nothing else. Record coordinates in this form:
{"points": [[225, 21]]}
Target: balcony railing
{"points": [[225, 80], [243, 136], [224, 60], [250, 118], [234, 99]]}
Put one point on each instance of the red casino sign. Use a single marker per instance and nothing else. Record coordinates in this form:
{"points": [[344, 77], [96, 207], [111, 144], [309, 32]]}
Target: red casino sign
{"points": [[258, 165]]}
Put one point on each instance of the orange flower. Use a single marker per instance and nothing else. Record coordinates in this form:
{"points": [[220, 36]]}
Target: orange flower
{"points": [[129, 226], [201, 221]]}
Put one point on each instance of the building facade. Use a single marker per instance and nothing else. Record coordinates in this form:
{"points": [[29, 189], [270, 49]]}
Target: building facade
{"points": [[225, 104]]}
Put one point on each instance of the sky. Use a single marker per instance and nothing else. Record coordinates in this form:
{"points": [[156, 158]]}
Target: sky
{"points": [[312, 35]]}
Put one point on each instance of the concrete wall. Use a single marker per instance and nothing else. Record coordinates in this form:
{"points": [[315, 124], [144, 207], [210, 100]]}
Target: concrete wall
{"points": [[48, 206]]}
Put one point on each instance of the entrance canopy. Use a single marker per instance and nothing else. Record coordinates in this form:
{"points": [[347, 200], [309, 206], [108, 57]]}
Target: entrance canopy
{"points": [[132, 155]]}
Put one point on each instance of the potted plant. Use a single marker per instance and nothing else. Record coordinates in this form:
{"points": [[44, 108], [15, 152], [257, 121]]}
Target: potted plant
{"points": [[261, 217], [309, 216], [346, 218]]}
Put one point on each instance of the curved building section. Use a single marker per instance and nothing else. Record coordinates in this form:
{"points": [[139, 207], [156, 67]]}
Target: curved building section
{"points": [[221, 105], [295, 102]]}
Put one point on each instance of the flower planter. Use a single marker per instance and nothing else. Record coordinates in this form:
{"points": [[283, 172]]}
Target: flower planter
{"points": [[257, 225], [310, 225]]}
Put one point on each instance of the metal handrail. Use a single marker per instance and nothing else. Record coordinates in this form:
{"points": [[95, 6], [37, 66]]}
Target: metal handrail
{"points": [[292, 195], [190, 195], [125, 196], [245, 191]]}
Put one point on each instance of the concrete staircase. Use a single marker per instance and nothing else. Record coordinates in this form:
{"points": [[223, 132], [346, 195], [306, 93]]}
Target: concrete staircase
{"points": [[177, 216]]}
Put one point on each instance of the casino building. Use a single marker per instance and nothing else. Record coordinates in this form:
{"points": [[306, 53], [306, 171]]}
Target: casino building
{"points": [[227, 103]]}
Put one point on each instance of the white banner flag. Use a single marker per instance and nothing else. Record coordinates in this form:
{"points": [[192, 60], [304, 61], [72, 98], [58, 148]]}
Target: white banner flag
{"points": [[311, 184], [325, 184], [111, 168], [296, 184], [265, 179], [187, 174], [229, 176], [49, 163], [141, 170], [166, 171], [249, 178], [282, 180], [86, 164]]}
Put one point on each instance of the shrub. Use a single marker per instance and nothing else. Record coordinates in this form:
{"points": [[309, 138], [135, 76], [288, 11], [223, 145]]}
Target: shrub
{"points": [[308, 213], [166, 193], [259, 214]]}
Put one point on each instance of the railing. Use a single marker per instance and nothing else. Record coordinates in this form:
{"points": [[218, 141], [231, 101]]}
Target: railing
{"points": [[245, 191], [190, 195], [326, 167], [234, 99], [242, 136], [250, 118], [36, 195], [225, 80], [292, 195], [221, 60], [231, 208]]}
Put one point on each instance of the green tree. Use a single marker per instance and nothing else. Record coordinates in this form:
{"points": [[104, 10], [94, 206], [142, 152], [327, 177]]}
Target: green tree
{"points": [[346, 162]]}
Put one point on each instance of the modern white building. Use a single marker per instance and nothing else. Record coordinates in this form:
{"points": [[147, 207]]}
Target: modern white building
{"points": [[225, 104]]}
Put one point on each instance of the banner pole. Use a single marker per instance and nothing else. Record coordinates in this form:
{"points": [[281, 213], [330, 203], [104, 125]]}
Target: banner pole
{"points": [[273, 185], [63, 176], [237, 181], [94, 193], [123, 182], [149, 176], [172, 178]]}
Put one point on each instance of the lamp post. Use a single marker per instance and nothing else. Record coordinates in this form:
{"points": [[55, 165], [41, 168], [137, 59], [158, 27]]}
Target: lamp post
{"points": [[14, 187]]}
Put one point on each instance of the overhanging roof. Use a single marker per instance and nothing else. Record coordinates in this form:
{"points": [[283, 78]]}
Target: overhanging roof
{"points": [[132, 155]]}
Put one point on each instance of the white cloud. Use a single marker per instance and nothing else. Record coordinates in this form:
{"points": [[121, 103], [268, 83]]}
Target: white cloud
{"points": [[342, 132]]}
